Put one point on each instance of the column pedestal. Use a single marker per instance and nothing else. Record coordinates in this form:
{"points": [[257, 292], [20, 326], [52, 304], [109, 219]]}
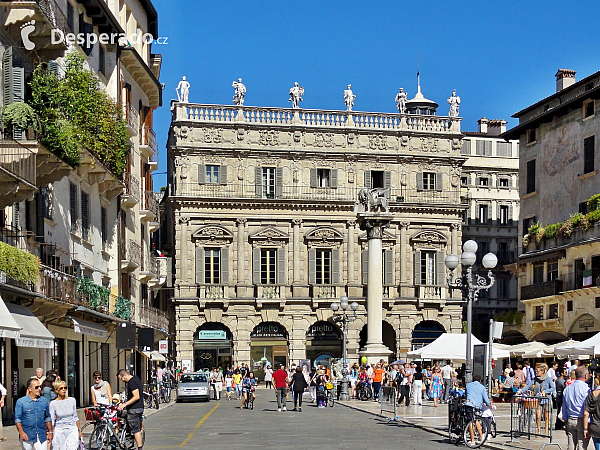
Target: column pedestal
{"points": [[374, 224]]}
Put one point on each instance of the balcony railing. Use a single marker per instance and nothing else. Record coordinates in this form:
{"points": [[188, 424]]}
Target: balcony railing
{"points": [[430, 292], [212, 291], [324, 291], [131, 252], [16, 237], [150, 203], [544, 289], [148, 139], [18, 160], [132, 116], [314, 118], [58, 285], [303, 192], [132, 185], [268, 291], [153, 317]]}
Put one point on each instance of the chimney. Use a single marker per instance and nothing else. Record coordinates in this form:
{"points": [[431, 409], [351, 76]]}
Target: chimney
{"points": [[564, 79], [496, 127], [483, 125]]}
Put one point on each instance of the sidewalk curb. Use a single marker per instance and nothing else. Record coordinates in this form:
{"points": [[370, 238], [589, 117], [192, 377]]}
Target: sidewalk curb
{"points": [[412, 424]]}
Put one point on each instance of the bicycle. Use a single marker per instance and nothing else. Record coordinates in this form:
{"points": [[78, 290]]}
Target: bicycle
{"points": [[329, 397], [165, 392], [364, 391], [151, 396], [463, 422], [249, 402], [105, 437]]}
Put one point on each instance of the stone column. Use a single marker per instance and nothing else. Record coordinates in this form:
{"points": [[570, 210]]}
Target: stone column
{"points": [[374, 224], [454, 238], [184, 257], [404, 252], [296, 249], [241, 251], [350, 260]]}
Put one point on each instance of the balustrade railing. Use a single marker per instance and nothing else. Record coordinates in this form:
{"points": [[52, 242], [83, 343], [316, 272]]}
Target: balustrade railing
{"points": [[212, 291], [153, 317], [268, 291], [314, 118], [55, 15], [324, 291], [150, 203], [58, 285], [132, 251], [18, 160], [304, 192], [429, 292]]}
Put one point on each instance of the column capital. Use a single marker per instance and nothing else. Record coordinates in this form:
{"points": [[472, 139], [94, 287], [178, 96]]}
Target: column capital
{"points": [[403, 225], [297, 222], [455, 226], [183, 220], [374, 224], [351, 223], [241, 220]]}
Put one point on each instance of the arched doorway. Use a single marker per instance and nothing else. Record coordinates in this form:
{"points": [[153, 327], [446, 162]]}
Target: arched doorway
{"points": [[212, 346], [425, 333], [268, 347], [323, 342], [552, 337], [584, 327], [388, 337]]}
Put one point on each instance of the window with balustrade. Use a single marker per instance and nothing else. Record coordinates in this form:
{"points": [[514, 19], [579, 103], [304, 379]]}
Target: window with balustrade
{"points": [[212, 266], [212, 174], [268, 266], [268, 182], [427, 268], [323, 266]]}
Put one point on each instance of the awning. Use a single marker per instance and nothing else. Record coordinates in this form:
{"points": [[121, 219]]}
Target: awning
{"points": [[8, 326], [33, 333], [89, 328], [154, 356]]}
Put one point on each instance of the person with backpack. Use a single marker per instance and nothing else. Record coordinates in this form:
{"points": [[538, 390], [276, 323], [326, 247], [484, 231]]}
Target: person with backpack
{"points": [[529, 373]]}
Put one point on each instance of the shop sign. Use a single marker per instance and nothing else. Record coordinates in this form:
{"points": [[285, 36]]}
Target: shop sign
{"points": [[323, 331], [15, 383], [211, 335], [163, 347], [268, 330]]}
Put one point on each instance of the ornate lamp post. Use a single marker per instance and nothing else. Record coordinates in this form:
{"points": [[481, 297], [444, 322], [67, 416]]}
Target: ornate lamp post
{"points": [[343, 319], [470, 288]]}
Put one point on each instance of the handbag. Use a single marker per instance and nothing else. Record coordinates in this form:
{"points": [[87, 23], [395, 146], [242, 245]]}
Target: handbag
{"points": [[81, 444]]}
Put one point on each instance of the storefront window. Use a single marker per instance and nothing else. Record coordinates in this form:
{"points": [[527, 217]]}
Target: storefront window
{"points": [[269, 346]]}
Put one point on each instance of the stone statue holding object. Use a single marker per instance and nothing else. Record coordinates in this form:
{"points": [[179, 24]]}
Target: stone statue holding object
{"points": [[401, 101], [454, 102], [349, 98], [240, 92], [183, 90], [372, 201], [296, 93]]}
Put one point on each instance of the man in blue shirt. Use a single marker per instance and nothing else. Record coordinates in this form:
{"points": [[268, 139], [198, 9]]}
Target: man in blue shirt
{"points": [[573, 405], [476, 396], [32, 418]]}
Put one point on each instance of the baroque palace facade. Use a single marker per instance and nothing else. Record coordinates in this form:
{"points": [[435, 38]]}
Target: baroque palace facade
{"points": [[261, 201]]}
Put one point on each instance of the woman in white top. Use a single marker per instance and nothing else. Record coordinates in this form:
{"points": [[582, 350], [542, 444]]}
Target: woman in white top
{"points": [[101, 392], [63, 411], [268, 377]]}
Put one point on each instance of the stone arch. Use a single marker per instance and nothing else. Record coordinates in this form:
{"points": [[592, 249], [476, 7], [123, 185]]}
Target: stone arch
{"points": [[550, 337], [584, 326], [388, 337], [512, 337], [429, 237], [269, 345], [213, 345], [425, 332], [323, 235], [212, 233], [323, 342]]}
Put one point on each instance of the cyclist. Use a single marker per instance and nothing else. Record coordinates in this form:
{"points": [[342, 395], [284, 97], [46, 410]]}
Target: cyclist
{"points": [[248, 387], [476, 397], [134, 404], [363, 380]]}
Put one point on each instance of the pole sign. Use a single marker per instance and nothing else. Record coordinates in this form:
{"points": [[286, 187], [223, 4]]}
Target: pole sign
{"points": [[163, 347], [480, 360]]}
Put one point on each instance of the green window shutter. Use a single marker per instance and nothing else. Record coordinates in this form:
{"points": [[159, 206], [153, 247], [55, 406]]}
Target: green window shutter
{"points": [[7, 76], [278, 182], [387, 183], [335, 266], [488, 148], [201, 174], [73, 205], [440, 268], [368, 179], [364, 256], [53, 67], [312, 266], [258, 190], [420, 181], [439, 182], [313, 178], [480, 148], [388, 267], [224, 265], [222, 174], [256, 265], [281, 266], [417, 264], [333, 178], [199, 265]]}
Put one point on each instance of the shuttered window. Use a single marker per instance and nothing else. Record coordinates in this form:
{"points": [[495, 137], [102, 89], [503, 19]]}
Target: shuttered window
{"points": [[483, 148], [212, 174], [13, 75], [268, 269], [588, 154], [504, 149], [466, 148], [503, 215], [85, 219], [323, 266], [71, 22], [268, 182], [103, 227], [73, 206], [428, 181], [17, 216], [530, 176], [212, 266]]}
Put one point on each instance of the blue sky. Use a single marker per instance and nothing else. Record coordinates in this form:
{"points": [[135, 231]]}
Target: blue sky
{"points": [[499, 56]]}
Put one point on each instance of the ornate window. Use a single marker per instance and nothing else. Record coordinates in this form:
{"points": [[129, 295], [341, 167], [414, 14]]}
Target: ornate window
{"points": [[212, 265]]}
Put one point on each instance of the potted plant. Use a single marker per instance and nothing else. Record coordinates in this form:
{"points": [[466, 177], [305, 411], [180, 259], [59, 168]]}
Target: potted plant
{"points": [[17, 119]]}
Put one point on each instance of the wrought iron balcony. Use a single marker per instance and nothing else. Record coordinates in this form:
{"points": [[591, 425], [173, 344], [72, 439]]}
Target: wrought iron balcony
{"points": [[148, 146], [544, 289], [132, 116], [17, 172], [285, 117], [131, 253], [149, 209], [132, 190], [153, 317]]}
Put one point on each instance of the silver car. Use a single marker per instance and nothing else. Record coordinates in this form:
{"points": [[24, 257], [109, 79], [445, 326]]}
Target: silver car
{"points": [[193, 385]]}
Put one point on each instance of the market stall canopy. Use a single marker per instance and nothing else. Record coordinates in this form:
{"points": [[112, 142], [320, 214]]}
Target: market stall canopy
{"points": [[154, 356], [8, 325], [549, 350], [33, 333], [89, 328], [589, 347], [453, 346]]}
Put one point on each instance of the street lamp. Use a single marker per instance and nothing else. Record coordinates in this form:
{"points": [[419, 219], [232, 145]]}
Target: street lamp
{"points": [[470, 288], [343, 319]]}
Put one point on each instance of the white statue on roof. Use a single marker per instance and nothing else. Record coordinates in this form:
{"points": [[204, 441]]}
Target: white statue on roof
{"points": [[240, 92], [349, 98], [401, 101], [454, 102], [296, 93], [183, 90]]}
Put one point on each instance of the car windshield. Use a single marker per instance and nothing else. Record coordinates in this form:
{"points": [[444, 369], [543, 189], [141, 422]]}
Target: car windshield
{"points": [[193, 378]]}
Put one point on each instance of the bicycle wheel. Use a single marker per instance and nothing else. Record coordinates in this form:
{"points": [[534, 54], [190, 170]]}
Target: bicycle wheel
{"points": [[330, 400], [454, 430], [251, 403], [148, 400], [156, 401], [100, 438], [493, 429], [479, 437]]}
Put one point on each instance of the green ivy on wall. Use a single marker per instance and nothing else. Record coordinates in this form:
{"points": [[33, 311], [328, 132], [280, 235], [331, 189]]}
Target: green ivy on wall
{"points": [[19, 264], [122, 308], [75, 112], [96, 296]]}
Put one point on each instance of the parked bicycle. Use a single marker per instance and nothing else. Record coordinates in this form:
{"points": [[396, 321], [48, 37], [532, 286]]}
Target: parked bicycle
{"points": [[165, 392], [466, 423], [111, 431], [329, 394], [364, 391], [151, 396]]}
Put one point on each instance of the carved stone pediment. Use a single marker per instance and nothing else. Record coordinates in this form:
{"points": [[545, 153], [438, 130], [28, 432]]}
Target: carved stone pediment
{"points": [[429, 237], [269, 234], [324, 234], [213, 233]]}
